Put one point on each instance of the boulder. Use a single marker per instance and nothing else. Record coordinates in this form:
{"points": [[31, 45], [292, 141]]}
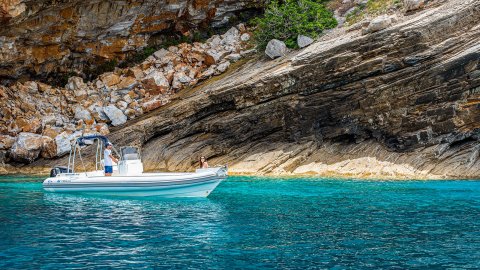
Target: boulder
{"points": [[151, 105], [61, 120], [212, 57], [234, 57], [276, 48], [110, 79], [28, 107], [115, 115], [214, 41], [99, 84], [31, 86], [160, 54], [98, 113], [82, 114], [229, 49], [304, 41], [223, 67], [114, 97], [33, 126], [172, 49], [130, 113], [245, 37], [51, 132], [122, 105], [411, 5], [379, 23], [196, 57], [231, 36], [102, 129], [180, 78], [20, 122], [155, 82], [135, 72], [49, 119], [77, 86], [49, 148], [128, 98], [6, 142], [63, 142], [27, 147], [126, 83], [44, 88], [208, 72]]}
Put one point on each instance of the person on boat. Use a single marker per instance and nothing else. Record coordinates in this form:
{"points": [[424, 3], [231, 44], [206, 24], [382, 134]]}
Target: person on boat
{"points": [[203, 163], [109, 159]]}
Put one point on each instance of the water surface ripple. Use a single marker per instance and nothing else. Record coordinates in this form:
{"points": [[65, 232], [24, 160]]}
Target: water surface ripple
{"points": [[247, 222]]}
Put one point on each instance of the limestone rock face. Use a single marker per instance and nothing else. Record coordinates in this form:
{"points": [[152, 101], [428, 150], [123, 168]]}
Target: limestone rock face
{"points": [[275, 48], [42, 37]]}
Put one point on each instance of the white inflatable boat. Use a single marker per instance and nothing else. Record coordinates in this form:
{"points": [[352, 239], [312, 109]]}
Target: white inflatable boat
{"points": [[128, 178]]}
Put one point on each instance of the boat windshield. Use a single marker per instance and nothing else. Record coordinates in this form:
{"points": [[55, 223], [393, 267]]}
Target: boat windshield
{"points": [[130, 153]]}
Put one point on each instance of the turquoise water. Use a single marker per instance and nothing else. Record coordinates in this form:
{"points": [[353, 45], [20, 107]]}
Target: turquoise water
{"points": [[247, 222]]}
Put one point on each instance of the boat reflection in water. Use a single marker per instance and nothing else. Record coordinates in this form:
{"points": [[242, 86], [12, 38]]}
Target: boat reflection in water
{"points": [[129, 228]]}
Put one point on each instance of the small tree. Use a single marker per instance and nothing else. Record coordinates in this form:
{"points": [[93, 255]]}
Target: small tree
{"points": [[287, 19]]}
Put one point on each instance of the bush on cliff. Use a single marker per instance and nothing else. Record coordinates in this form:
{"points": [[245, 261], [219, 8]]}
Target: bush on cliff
{"points": [[287, 19]]}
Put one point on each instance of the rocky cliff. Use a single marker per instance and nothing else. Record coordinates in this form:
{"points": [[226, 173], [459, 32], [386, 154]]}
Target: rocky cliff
{"points": [[401, 100], [37, 119], [42, 38]]}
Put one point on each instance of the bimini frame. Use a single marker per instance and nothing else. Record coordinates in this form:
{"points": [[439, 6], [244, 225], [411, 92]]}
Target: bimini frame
{"points": [[101, 140]]}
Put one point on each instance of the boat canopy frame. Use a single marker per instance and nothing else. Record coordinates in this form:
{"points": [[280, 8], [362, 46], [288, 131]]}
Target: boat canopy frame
{"points": [[101, 140]]}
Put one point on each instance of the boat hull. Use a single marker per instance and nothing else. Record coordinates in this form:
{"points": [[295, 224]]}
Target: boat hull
{"points": [[145, 185]]}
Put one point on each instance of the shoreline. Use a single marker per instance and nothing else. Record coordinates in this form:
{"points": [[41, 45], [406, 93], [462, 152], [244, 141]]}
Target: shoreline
{"points": [[44, 172]]}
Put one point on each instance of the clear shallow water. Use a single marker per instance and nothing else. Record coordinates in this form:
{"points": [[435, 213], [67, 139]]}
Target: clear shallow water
{"points": [[247, 223]]}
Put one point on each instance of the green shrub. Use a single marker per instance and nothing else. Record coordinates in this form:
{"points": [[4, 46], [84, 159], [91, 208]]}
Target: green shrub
{"points": [[290, 18]]}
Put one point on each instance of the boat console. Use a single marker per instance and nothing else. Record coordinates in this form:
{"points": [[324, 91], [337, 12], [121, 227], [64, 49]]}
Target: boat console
{"points": [[130, 162]]}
